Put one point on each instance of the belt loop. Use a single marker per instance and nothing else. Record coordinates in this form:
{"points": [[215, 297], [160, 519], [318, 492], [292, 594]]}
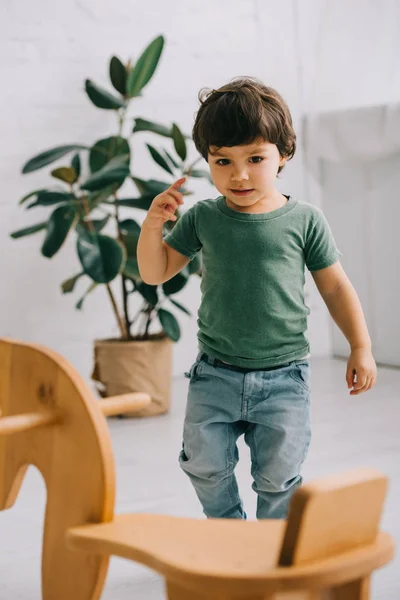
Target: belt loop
{"points": [[201, 356], [210, 359]]}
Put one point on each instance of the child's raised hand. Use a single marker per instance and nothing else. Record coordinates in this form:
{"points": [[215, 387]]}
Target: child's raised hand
{"points": [[164, 205]]}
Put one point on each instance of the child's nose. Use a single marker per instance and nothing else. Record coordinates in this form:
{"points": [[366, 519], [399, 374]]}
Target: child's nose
{"points": [[240, 175]]}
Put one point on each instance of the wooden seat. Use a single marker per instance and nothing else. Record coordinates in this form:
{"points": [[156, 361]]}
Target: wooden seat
{"points": [[328, 547]]}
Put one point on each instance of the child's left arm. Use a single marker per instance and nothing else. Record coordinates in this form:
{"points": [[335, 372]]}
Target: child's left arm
{"points": [[345, 308]]}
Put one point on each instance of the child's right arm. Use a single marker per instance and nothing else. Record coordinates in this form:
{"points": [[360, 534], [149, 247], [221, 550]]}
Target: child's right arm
{"points": [[157, 261]]}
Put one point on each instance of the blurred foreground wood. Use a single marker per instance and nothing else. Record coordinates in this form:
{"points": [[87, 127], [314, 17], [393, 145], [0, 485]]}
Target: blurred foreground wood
{"points": [[327, 548]]}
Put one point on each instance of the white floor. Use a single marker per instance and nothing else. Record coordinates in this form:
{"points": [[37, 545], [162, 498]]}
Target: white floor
{"points": [[348, 432]]}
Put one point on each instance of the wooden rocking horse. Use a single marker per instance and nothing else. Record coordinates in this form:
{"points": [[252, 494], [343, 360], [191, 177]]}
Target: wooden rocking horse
{"points": [[327, 548]]}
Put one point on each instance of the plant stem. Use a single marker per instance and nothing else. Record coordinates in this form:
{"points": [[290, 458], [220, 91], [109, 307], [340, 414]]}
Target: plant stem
{"points": [[125, 304], [121, 324], [188, 171], [121, 120], [145, 321], [149, 311], [135, 318], [123, 278]]}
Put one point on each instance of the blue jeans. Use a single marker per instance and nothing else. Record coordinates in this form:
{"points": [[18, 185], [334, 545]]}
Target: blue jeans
{"points": [[271, 408]]}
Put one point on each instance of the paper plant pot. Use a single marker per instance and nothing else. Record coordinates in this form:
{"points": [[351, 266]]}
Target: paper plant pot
{"points": [[121, 367]]}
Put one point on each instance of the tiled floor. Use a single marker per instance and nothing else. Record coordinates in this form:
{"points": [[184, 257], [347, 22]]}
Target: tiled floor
{"points": [[348, 432]]}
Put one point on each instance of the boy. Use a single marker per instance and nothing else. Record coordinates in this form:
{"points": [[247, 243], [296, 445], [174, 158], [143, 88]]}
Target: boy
{"points": [[252, 373]]}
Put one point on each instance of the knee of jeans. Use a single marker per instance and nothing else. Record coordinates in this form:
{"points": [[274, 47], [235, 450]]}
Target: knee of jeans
{"points": [[206, 471], [275, 482]]}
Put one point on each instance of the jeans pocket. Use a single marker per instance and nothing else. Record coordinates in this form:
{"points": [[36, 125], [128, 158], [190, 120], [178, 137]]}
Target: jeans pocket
{"points": [[194, 370], [301, 374], [182, 456]]}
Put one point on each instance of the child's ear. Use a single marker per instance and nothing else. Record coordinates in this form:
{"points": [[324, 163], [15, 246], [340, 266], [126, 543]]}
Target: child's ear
{"points": [[282, 161]]}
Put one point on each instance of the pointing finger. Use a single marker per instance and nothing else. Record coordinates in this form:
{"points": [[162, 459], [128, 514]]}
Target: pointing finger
{"points": [[177, 184]]}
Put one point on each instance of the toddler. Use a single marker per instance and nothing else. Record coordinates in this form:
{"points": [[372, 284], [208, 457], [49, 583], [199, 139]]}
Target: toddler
{"points": [[251, 375]]}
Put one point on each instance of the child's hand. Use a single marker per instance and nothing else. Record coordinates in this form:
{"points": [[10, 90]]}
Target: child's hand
{"points": [[361, 371], [164, 205]]}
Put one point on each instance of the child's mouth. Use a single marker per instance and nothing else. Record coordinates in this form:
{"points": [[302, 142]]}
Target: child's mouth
{"points": [[242, 192]]}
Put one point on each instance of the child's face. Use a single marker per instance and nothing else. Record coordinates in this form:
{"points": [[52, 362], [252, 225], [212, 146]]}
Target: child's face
{"points": [[252, 167]]}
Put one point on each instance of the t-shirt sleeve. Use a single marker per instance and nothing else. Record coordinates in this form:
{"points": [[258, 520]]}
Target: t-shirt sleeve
{"points": [[320, 249], [183, 237]]}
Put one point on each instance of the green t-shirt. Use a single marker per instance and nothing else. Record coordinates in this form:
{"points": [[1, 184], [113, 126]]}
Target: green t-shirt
{"points": [[252, 311]]}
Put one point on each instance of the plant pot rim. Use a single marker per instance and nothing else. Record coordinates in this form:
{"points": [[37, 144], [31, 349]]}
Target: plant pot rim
{"points": [[120, 342]]}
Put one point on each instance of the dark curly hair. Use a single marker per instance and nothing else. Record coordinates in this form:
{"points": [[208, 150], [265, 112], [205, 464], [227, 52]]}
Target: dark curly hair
{"points": [[243, 112]]}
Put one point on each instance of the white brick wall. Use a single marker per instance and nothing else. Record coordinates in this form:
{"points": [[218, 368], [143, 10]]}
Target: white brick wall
{"points": [[47, 49]]}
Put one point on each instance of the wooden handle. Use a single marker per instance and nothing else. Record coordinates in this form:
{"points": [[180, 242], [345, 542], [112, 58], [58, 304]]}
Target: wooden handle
{"points": [[18, 423], [133, 402], [114, 405]]}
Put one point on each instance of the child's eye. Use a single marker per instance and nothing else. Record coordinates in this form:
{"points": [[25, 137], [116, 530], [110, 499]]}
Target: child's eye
{"points": [[222, 162]]}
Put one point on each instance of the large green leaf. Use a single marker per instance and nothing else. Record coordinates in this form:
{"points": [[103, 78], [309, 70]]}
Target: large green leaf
{"points": [[200, 173], [131, 268], [57, 230], [48, 198], [130, 232], [106, 149], [93, 199], [145, 67], [49, 156], [159, 159], [29, 230], [118, 75], [178, 305], [144, 125], [143, 202], [179, 141], [155, 187], [76, 164], [89, 225], [66, 174], [149, 292], [169, 324], [90, 289], [68, 285], [130, 227], [171, 158], [102, 257], [25, 198], [152, 186], [114, 172], [101, 98], [101, 180], [176, 283]]}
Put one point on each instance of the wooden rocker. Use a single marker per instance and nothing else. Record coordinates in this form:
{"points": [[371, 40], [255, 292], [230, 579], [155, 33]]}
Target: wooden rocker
{"points": [[327, 548]]}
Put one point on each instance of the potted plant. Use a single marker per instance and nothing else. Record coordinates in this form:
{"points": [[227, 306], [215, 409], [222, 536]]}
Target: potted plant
{"points": [[88, 200]]}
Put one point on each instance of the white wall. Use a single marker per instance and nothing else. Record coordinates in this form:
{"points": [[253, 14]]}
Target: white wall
{"points": [[47, 50]]}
